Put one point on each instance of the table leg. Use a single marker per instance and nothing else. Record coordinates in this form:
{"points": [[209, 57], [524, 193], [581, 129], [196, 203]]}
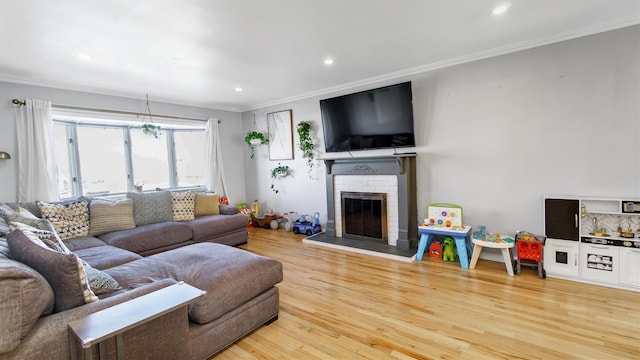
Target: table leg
{"points": [[425, 243], [72, 347], [461, 246], [119, 351], [477, 249], [508, 261]]}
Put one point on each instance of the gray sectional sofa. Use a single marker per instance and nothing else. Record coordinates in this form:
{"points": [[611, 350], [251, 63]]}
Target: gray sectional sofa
{"points": [[241, 293]]}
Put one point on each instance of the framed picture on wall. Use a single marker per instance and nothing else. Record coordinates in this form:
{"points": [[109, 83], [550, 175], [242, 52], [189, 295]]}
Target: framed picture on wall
{"points": [[280, 135]]}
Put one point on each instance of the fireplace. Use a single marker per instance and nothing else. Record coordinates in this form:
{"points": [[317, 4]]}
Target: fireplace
{"points": [[392, 177], [364, 215]]}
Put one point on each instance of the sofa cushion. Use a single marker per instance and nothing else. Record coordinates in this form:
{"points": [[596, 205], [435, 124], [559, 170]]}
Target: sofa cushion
{"points": [[69, 218], [230, 276], [183, 204], [206, 204], [25, 296], [151, 208], [206, 227], [106, 256], [149, 237], [141, 272], [83, 242], [107, 216], [64, 272]]}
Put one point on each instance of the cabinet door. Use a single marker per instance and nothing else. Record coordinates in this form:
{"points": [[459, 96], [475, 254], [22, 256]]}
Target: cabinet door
{"points": [[561, 257], [630, 267], [561, 219]]}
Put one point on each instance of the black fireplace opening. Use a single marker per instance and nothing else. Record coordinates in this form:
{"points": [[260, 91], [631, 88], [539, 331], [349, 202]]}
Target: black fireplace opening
{"points": [[364, 215]]}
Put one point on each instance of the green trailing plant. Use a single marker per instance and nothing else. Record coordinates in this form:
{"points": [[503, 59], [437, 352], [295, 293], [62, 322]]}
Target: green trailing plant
{"points": [[278, 172], [150, 129], [306, 144], [254, 138]]}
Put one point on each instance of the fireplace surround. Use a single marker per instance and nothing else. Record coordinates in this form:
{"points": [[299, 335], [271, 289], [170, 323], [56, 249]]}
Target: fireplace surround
{"points": [[395, 176]]}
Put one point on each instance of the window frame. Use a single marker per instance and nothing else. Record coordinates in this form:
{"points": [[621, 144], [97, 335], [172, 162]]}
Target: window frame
{"points": [[102, 121]]}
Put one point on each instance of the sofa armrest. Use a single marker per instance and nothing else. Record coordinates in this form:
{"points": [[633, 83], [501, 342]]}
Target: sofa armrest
{"points": [[49, 335], [228, 209]]}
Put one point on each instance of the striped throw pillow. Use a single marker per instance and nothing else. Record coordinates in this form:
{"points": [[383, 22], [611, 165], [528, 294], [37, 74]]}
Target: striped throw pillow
{"points": [[106, 216]]}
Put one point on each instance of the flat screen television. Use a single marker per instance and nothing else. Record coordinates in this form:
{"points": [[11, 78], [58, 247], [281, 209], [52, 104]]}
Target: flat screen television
{"points": [[374, 119]]}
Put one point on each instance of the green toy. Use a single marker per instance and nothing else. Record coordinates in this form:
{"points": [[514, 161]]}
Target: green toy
{"points": [[449, 251]]}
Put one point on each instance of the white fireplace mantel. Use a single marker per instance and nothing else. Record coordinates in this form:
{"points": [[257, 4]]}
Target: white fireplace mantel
{"points": [[376, 174]]}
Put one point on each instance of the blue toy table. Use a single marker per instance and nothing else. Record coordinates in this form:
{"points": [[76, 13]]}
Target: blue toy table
{"points": [[460, 235]]}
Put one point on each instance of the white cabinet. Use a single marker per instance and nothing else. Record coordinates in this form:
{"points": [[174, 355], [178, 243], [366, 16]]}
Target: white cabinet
{"points": [[606, 250], [630, 266], [561, 257]]}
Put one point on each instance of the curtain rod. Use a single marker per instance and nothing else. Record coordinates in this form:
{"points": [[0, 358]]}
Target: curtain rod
{"points": [[121, 112]]}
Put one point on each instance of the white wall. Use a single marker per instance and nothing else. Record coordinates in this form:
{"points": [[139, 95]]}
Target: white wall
{"points": [[231, 129], [495, 135]]}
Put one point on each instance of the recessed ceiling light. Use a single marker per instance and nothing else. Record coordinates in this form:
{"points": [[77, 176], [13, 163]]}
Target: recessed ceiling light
{"points": [[501, 9], [238, 89], [84, 56], [328, 61]]}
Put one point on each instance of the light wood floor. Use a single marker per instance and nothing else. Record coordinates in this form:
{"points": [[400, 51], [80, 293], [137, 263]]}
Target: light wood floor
{"points": [[342, 305]]}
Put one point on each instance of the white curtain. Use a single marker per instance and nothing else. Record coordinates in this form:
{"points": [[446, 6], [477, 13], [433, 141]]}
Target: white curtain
{"points": [[37, 178], [215, 179]]}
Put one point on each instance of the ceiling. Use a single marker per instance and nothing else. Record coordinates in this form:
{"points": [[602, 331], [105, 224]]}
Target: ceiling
{"points": [[196, 52]]}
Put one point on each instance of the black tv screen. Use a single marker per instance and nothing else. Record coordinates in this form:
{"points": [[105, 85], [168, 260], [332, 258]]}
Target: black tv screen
{"points": [[374, 119]]}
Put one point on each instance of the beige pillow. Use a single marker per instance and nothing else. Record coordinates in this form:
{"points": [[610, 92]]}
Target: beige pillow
{"points": [[106, 216], [207, 204]]}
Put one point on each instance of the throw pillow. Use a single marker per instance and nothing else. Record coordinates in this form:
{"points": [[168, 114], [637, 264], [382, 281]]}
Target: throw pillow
{"points": [[64, 272], [25, 297], [22, 215], [107, 216], [49, 238], [152, 208], [70, 219], [183, 204], [4, 227], [99, 281], [207, 204]]}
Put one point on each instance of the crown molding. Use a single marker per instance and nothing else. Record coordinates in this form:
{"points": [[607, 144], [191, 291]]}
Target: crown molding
{"points": [[110, 92], [503, 50]]}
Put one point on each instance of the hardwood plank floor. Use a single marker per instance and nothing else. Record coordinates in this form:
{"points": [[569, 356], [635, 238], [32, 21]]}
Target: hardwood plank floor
{"points": [[341, 305]]}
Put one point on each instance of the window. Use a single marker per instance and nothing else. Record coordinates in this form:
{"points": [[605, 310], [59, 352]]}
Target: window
{"points": [[61, 142], [190, 157], [102, 160], [150, 160], [102, 157]]}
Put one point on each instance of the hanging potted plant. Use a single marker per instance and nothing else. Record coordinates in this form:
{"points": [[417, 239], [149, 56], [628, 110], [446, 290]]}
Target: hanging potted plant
{"points": [[306, 144], [279, 172], [149, 128], [254, 138]]}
